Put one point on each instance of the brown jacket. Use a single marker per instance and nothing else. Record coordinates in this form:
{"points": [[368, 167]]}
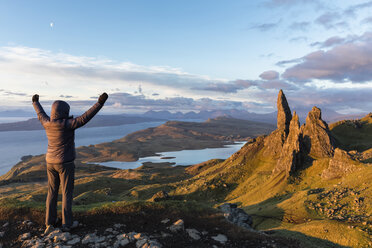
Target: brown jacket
{"points": [[60, 129]]}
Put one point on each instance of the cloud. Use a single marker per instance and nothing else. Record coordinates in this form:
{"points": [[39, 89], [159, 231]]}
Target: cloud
{"points": [[233, 87], [336, 99], [330, 20], [140, 102], [335, 40], [9, 93], [290, 3], [69, 69], [65, 96], [356, 7], [286, 62], [264, 27], [299, 39], [301, 26], [344, 99], [230, 87], [269, 75], [367, 20], [275, 85], [351, 61]]}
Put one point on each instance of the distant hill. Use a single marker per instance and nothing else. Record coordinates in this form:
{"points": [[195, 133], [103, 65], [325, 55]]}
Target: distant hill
{"points": [[329, 115], [115, 120], [205, 114], [97, 121], [171, 136]]}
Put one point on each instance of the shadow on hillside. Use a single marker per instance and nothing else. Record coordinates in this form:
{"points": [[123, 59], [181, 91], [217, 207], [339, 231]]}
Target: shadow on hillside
{"points": [[306, 163], [216, 192], [305, 240], [267, 214]]}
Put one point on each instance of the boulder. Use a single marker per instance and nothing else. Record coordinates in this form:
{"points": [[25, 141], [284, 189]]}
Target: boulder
{"points": [[74, 241], [25, 236], [177, 226], [236, 215], [220, 238], [340, 165], [159, 196], [193, 233]]}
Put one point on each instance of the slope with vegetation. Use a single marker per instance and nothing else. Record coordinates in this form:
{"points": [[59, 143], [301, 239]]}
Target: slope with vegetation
{"points": [[304, 186], [298, 181]]}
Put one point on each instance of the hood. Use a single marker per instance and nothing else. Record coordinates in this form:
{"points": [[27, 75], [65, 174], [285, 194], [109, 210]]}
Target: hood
{"points": [[60, 110]]}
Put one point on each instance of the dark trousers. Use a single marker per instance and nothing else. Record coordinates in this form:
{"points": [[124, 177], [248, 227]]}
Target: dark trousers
{"points": [[64, 175]]}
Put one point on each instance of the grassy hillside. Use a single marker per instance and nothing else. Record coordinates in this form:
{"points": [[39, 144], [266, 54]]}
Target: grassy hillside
{"points": [[354, 134], [308, 206], [336, 212]]}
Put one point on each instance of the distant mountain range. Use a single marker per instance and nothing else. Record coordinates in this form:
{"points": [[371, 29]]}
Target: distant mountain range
{"points": [[328, 115], [115, 120]]}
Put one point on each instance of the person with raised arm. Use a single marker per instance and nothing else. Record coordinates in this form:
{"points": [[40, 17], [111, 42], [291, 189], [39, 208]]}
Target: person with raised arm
{"points": [[60, 156]]}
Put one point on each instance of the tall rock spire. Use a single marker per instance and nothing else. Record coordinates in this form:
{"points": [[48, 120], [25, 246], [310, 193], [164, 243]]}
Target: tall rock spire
{"points": [[291, 158], [284, 113], [276, 139]]}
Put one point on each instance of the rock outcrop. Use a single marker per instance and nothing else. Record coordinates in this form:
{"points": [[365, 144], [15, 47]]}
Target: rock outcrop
{"points": [[274, 142], [291, 156], [290, 144], [236, 215], [317, 137], [340, 165], [284, 113]]}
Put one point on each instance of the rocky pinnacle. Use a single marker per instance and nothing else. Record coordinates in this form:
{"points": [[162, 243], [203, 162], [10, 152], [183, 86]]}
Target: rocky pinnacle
{"points": [[284, 113]]}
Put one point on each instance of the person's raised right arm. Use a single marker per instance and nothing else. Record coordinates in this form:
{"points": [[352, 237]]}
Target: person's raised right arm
{"points": [[41, 115]]}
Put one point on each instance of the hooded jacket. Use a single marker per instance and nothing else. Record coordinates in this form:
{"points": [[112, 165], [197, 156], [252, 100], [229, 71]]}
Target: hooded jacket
{"points": [[60, 129]]}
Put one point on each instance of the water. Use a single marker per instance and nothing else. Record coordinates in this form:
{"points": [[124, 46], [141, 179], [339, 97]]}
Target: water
{"points": [[13, 119], [184, 157], [15, 144]]}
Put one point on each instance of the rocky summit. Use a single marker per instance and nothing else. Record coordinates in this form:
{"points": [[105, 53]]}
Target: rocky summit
{"points": [[292, 144]]}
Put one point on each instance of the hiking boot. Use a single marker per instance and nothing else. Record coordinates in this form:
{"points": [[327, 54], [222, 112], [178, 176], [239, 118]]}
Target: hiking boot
{"points": [[74, 225], [49, 229], [58, 222]]}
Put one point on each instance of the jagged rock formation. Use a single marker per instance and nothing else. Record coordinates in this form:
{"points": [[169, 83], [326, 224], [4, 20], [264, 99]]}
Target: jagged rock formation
{"points": [[340, 164], [317, 137], [291, 157], [290, 144], [274, 142], [284, 113]]}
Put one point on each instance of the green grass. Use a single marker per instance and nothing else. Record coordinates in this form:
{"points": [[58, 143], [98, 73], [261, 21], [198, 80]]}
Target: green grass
{"points": [[353, 136]]}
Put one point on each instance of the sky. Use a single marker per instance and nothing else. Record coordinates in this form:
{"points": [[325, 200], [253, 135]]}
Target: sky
{"points": [[187, 55]]}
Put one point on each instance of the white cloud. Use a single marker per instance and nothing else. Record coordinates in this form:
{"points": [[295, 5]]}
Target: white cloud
{"points": [[27, 69]]}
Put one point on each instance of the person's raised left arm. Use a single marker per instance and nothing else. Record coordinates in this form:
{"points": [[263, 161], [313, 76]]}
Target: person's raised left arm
{"points": [[89, 114]]}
